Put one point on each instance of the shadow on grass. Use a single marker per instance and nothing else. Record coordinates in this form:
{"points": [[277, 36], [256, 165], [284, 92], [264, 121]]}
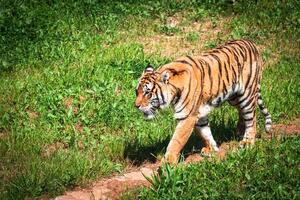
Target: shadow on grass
{"points": [[139, 154]]}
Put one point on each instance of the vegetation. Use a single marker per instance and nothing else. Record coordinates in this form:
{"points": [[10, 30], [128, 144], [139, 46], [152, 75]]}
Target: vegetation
{"points": [[267, 171], [68, 72]]}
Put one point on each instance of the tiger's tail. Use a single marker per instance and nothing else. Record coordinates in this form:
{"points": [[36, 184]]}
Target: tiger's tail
{"points": [[264, 110]]}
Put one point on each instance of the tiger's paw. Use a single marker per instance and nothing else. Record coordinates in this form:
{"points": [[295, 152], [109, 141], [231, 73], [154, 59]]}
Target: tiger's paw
{"points": [[170, 159], [239, 135], [208, 151], [246, 143]]}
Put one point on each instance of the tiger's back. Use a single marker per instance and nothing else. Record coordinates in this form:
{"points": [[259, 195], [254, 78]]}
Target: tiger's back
{"points": [[228, 71]]}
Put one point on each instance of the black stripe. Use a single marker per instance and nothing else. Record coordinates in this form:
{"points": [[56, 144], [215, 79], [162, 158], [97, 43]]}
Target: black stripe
{"points": [[247, 113], [228, 49], [202, 125], [177, 96], [183, 62], [250, 74], [156, 95], [209, 73], [186, 115], [251, 92], [247, 104], [218, 84], [184, 104], [226, 72], [183, 118], [224, 88], [184, 101], [216, 50], [161, 93], [245, 45], [226, 63], [219, 62], [239, 54], [236, 53], [254, 81], [185, 98], [194, 62], [242, 51], [240, 95], [200, 68], [249, 119], [234, 72], [261, 106], [252, 108], [241, 101], [220, 71], [251, 45]]}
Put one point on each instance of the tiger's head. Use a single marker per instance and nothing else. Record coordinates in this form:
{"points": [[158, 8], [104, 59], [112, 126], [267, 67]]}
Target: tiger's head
{"points": [[153, 92]]}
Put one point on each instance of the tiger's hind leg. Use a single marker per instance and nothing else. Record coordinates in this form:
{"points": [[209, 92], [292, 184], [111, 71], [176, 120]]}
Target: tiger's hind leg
{"points": [[203, 131], [247, 112], [240, 129]]}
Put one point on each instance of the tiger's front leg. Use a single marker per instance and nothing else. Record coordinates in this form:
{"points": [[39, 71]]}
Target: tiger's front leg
{"points": [[202, 129], [182, 133]]}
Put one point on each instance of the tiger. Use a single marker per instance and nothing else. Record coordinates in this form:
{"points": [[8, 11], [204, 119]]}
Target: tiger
{"points": [[195, 85]]}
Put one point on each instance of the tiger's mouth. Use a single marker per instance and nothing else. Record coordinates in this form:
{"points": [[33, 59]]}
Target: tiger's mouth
{"points": [[149, 114]]}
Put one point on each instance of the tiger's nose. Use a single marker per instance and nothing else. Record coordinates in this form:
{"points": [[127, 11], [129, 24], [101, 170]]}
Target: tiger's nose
{"points": [[137, 105]]}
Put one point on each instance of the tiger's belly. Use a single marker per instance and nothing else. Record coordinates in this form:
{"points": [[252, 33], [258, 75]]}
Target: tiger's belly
{"points": [[217, 101], [235, 89]]}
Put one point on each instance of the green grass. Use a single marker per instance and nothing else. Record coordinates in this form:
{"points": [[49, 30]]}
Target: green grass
{"points": [[270, 170], [68, 72]]}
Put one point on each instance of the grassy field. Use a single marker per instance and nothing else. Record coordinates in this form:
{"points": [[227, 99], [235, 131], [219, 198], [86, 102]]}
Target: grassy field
{"points": [[68, 72], [268, 171]]}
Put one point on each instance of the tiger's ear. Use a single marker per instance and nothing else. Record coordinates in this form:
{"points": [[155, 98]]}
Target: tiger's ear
{"points": [[148, 68], [165, 76]]}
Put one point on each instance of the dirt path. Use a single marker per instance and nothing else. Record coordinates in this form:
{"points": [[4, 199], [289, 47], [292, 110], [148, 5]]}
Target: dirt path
{"points": [[111, 188]]}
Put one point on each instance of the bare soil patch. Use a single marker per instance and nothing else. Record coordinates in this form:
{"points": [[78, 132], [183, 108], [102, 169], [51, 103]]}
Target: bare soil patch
{"points": [[112, 188], [292, 128], [178, 44]]}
